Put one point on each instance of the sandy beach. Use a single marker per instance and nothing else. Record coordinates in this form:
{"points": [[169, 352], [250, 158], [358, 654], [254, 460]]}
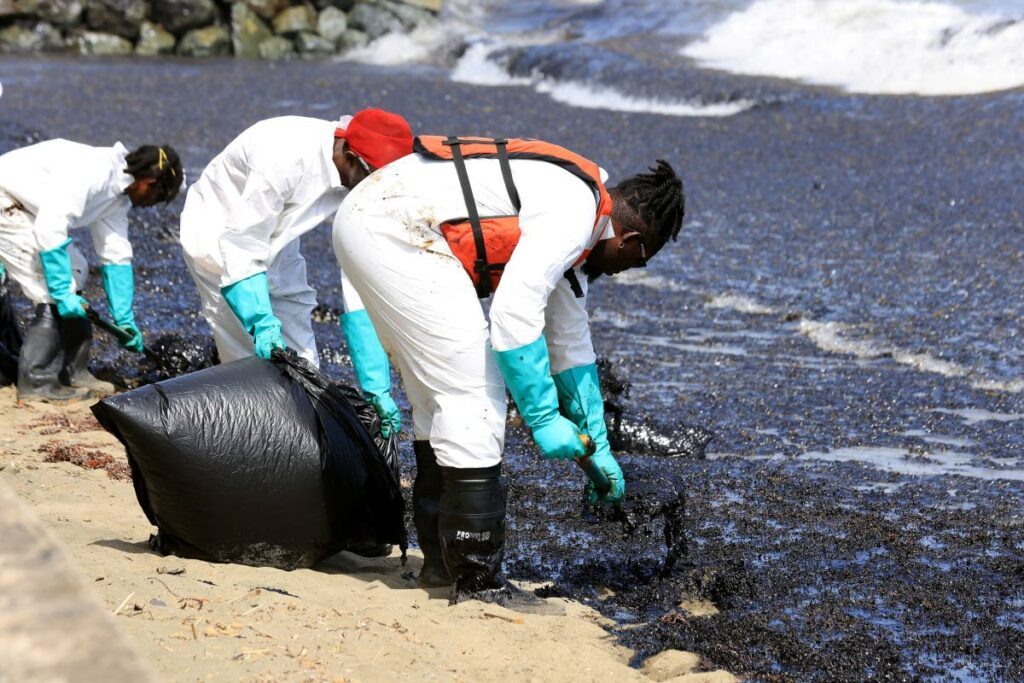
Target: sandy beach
{"points": [[349, 619]]}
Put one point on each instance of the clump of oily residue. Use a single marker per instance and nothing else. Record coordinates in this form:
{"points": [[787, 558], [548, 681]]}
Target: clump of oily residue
{"points": [[326, 314], [630, 433], [175, 355], [90, 459]]}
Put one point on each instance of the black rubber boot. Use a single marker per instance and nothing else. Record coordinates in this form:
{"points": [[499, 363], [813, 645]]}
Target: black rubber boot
{"points": [[76, 338], [426, 494], [38, 363], [472, 524]]}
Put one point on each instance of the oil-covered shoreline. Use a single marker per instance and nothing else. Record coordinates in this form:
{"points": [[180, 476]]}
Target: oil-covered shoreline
{"points": [[843, 310]]}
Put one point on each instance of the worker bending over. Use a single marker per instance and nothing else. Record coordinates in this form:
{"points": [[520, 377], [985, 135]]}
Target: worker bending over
{"points": [[242, 222], [531, 224], [46, 190]]}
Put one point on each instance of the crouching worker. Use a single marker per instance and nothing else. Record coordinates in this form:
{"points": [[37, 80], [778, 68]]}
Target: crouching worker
{"points": [[243, 218], [47, 189], [529, 224]]}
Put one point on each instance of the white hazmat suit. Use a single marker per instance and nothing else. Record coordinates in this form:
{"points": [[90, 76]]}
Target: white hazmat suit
{"points": [[422, 302], [245, 215], [47, 189]]}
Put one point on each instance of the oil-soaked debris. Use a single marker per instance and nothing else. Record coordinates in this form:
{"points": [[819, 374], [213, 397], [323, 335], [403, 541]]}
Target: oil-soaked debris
{"points": [[326, 314]]}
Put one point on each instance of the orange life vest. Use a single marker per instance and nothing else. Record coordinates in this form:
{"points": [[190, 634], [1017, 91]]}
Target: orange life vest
{"points": [[484, 244]]}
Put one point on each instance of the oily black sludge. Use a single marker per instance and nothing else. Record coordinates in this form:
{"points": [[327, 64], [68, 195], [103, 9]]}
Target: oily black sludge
{"points": [[259, 463]]}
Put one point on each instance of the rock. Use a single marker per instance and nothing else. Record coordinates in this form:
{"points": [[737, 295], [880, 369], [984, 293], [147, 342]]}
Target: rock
{"points": [[120, 17], [36, 38], [276, 47], [154, 39], [670, 663], [719, 676], [205, 42], [409, 16], [352, 39], [178, 16], [247, 31], [431, 5], [312, 44], [374, 20], [331, 23], [60, 12], [295, 20], [266, 9], [95, 43], [8, 8]]}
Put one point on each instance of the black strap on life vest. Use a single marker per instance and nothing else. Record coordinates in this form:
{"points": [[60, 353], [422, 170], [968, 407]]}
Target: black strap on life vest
{"points": [[480, 265]]}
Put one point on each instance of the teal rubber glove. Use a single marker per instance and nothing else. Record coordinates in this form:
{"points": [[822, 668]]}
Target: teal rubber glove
{"points": [[579, 396], [119, 283], [527, 373], [60, 283], [372, 369], [250, 301]]}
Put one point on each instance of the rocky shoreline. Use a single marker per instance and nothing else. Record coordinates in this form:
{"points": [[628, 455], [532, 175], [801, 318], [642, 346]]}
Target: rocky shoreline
{"points": [[265, 29]]}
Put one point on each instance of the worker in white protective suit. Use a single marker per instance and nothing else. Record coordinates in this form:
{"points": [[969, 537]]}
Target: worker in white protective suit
{"points": [[241, 226], [46, 190], [531, 223]]}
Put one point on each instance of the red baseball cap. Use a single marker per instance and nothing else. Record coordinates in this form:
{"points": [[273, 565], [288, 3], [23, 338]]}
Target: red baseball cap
{"points": [[377, 136]]}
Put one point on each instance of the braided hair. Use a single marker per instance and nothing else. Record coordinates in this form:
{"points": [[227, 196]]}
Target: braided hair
{"points": [[657, 198], [159, 162]]}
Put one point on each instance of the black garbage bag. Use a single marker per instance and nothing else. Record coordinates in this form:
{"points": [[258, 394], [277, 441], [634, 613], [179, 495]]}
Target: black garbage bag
{"points": [[259, 463], [10, 334]]}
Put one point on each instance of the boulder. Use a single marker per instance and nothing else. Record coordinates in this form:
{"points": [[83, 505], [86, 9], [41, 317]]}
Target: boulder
{"points": [[205, 42], [352, 39], [430, 5], [276, 47], [247, 31], [374, 20], [669, 664], [120, 17], [409, 16], [331, 23], [95, 43], [154, 39], [266, 9], [179, 16], [33, 38], [311, 44], [8, 8], [60, 12], [294, 20]]}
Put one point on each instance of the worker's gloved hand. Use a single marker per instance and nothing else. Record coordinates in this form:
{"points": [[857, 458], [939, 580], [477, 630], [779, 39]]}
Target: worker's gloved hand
{"points": [[249, 299], [372, 369], [607, 463], [119, 283], [527, 373], [579, 398], [60, 283]]}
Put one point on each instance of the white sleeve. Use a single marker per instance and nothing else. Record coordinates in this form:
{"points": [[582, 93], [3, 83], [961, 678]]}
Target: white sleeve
{"points": [[245, 244], [567, 326], [110, 239], [350, 299], [57, 216], [555, 230]]}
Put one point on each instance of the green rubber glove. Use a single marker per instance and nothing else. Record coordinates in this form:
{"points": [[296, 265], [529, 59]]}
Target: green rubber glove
{"points": [[372, 369], [527, 373], [119, 283], [60, 283], [249, 299], [579, 396]]}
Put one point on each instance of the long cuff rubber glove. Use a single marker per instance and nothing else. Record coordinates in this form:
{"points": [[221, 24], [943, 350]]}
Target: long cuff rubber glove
{"points": [[579, 395], [250, 301], [527, 373], [372, 369], [60, 283], [119, 283]]}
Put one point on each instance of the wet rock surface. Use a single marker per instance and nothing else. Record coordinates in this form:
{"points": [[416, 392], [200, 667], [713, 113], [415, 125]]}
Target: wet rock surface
{"points": [[857, 515]]}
